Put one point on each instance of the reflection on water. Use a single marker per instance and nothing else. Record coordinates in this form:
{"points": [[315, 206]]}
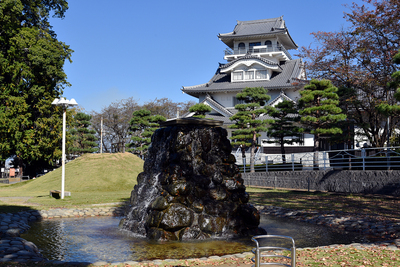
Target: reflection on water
{"points": [[98, 238]]}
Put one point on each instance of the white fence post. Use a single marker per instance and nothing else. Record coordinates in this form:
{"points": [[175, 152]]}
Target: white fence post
{"points": [[324, 155], [244, 165], [266, 163], [292, 162]]}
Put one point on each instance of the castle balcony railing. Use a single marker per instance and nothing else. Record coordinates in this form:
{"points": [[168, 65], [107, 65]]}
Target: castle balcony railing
{"points": [[259, 50]]}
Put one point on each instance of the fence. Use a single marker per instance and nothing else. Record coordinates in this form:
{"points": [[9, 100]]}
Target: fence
{"points": [[384, 158]]}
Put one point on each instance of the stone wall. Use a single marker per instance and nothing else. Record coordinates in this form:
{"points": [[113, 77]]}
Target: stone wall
{"points": [[343, 181]]}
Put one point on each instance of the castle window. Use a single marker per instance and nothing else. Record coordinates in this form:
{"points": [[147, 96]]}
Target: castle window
{"points": [[268, 43], [238, 76], [261, 74], [251, 47], [254, 44], [242, 48], [249, 75]]}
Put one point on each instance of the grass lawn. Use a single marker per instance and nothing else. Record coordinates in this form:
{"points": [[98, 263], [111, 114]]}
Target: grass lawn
{"points": [[375, 205], [110, 178], [91, 179]]}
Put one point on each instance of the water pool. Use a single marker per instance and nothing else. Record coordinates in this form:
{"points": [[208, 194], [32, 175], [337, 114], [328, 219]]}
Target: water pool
{"points": [[92, 239]]}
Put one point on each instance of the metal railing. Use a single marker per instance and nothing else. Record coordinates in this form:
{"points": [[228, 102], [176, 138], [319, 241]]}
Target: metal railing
{"points": [[258, 50], [383, 158], [239, 154], [261, 251]]}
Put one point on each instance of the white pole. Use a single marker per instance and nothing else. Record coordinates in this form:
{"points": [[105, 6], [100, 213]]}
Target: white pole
{"points": [[292, 162], [63, 152], [101, 136]]}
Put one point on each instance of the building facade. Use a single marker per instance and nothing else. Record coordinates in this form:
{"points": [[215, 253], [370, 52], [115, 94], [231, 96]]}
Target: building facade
{"points": [[257, 55]]}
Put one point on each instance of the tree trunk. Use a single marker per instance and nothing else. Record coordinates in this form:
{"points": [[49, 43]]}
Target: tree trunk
{"points": [[252, 158], [252, 153], [283, 151], [316, 152]]}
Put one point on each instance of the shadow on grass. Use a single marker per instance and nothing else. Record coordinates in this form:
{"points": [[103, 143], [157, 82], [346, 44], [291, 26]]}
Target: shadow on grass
{"points": [[8, 208], [324, 201]]}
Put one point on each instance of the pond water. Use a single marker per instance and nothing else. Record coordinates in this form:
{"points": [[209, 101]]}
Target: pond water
{"points": [[94, 239]]}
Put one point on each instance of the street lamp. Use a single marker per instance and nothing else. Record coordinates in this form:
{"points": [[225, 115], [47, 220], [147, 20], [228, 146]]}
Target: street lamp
{"points": [[64, 103]]}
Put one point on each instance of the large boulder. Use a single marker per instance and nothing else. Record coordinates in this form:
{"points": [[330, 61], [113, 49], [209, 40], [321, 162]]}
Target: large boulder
{"points": [[190, 188]]}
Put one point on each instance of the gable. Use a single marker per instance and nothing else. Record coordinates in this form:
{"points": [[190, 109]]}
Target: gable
{"points": [[245, 64], [282, 97]]}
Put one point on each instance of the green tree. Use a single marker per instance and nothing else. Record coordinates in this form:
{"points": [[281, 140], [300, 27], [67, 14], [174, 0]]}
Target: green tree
{"points": [[82, 137], [143, 125], [31, 76], [200, 110], [248, 121], [319, 111], [285, 124], [360, 58]]}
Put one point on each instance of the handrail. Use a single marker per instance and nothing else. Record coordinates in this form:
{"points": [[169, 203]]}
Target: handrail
{"points": [[383, 158], [257, 50], [258, 251]]}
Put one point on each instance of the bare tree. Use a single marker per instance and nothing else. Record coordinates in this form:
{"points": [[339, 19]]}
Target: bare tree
{"points": [[116, 119], [167, 108], [117, 115]]}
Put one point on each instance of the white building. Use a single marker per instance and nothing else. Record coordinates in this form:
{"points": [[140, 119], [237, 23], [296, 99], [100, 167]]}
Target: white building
{"points": [[257, 56]]}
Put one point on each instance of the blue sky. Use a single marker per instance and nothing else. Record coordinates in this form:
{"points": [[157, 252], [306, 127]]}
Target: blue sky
{"points": [[150, 49]]}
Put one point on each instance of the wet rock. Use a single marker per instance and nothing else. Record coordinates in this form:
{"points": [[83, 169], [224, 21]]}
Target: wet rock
{"points": [[160, 203], [190, 188], [176, 217]]}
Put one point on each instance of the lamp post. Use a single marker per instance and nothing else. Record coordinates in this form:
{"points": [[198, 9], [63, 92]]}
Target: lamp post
{"points": [[64, 103]]}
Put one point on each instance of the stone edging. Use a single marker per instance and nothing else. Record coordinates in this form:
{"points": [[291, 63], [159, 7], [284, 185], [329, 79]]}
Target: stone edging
{"points": [[13, 248]]}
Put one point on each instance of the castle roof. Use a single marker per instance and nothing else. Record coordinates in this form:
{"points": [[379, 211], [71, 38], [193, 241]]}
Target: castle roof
{"points": [[221, 82], [259, 28]]}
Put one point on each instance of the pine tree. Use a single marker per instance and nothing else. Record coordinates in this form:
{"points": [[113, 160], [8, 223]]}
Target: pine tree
{"points": [[200, 110], [285, 124], [319, 111], [82, 137], [143, 125], [248, 124]]}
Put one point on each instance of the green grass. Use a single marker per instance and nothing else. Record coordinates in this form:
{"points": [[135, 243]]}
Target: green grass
{"points": [[375, 205], [91, 179]]}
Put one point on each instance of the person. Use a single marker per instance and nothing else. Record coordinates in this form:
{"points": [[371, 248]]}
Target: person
{"points": [[243, 149]]}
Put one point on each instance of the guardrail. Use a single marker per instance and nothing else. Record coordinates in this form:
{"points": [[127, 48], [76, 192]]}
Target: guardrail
{"points": [[383, 158], [265, 250]]}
